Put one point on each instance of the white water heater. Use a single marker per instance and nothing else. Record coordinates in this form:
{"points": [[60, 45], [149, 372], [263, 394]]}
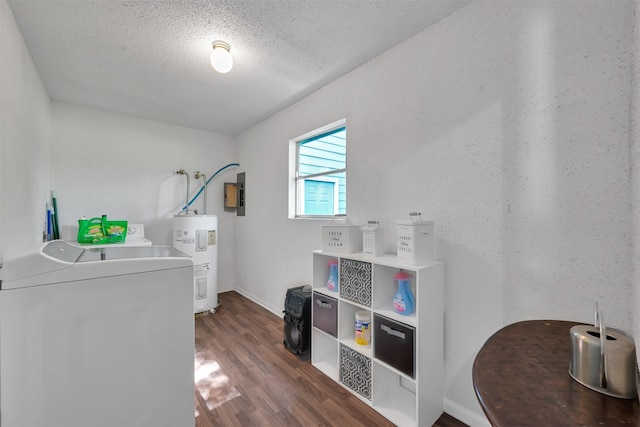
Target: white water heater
{"points": [[196, 236]]}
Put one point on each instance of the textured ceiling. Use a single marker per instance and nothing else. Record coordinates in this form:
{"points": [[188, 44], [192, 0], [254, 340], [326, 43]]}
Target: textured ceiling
{"points": [[150, 58]]}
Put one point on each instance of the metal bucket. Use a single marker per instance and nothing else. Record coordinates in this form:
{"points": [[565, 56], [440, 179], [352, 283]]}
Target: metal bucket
{"points": [[603, 360]]}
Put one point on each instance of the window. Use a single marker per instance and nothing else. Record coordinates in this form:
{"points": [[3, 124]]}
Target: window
{"points": [[318, 172]]}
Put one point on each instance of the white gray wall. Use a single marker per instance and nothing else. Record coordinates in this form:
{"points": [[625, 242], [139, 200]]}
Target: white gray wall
{"points": [[24, 144], [634, 119], [507, 123], [124, 167]]}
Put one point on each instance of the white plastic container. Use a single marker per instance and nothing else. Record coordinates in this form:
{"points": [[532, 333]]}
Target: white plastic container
{"points": [[415, 240], [363, 328], [372, 239], [340, 236]]}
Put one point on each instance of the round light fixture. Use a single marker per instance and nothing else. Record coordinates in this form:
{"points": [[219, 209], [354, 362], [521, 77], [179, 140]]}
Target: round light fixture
{"points": [[221, 59]]}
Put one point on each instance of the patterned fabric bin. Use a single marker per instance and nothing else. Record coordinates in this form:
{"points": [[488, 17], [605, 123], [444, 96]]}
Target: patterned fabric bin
{"points": [[355, 281], [355, 371]]}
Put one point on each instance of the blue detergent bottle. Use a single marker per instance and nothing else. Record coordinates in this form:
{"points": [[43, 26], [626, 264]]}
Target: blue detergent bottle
{"points": [[403, 300], [332, 281]]}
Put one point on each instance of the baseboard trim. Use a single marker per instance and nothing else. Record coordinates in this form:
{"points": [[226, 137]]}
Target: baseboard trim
{"points": [[467, 416], [253, 298]]}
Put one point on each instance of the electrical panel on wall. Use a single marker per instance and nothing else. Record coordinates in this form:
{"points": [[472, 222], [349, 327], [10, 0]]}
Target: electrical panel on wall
{"points": [[241, 194], [230, 196]]}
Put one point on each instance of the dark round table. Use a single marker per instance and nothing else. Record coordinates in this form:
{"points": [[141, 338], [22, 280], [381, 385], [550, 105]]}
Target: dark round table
{"points": [[521, 378]]}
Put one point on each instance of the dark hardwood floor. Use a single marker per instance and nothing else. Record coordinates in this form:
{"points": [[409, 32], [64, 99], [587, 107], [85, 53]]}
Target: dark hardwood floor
{"points": [[245, 376]]}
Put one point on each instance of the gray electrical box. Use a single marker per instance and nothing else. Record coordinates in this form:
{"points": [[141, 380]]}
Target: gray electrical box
{"points": [[240, 180]]}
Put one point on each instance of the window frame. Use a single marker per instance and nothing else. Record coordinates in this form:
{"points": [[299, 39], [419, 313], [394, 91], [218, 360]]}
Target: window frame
{"points": [[296, 194]]}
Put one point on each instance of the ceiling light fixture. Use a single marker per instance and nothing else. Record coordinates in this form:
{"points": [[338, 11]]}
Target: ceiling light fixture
{"points": [[221, 59]]}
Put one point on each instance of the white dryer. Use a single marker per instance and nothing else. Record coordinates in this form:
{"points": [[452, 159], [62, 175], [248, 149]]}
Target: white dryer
{"points": [[97, 337]]}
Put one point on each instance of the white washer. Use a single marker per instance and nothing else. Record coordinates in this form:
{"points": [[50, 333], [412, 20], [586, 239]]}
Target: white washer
{"points": [[97, 337]]}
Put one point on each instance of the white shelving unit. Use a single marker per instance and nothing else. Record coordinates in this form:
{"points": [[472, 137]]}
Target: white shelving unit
{"points": [[404, 399]]}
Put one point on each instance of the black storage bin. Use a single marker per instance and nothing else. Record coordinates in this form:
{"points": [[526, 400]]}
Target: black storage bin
{"points": [[325, 313], [394, 343]]}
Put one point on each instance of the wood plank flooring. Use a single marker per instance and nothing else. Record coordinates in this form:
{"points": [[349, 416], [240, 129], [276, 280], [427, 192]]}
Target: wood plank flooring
{"points": [[245, 376]]}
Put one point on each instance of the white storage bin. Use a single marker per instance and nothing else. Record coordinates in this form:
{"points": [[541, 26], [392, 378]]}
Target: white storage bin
{"points": [[340, 236], [415, 240], [372, 239]]}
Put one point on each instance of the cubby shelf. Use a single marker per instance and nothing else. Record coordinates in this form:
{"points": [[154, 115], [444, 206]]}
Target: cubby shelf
{"points": [[405, 396]]}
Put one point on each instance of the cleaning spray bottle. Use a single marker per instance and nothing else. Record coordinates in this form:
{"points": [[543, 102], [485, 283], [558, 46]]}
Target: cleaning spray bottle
{"points": [[332, 281], [403, 300]]}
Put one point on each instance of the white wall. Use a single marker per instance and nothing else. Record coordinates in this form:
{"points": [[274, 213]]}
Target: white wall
{"points": [[634, 119], [24, 144], [508, 123], [124, 167]]}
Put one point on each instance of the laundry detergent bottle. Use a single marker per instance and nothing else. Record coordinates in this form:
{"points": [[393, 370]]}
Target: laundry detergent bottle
{"points": [[332, 281], [403, 300]]}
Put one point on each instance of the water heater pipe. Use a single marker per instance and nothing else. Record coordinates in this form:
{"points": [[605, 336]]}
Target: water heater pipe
{"points": [[183, 172], [199, 175], [207, 182]]}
